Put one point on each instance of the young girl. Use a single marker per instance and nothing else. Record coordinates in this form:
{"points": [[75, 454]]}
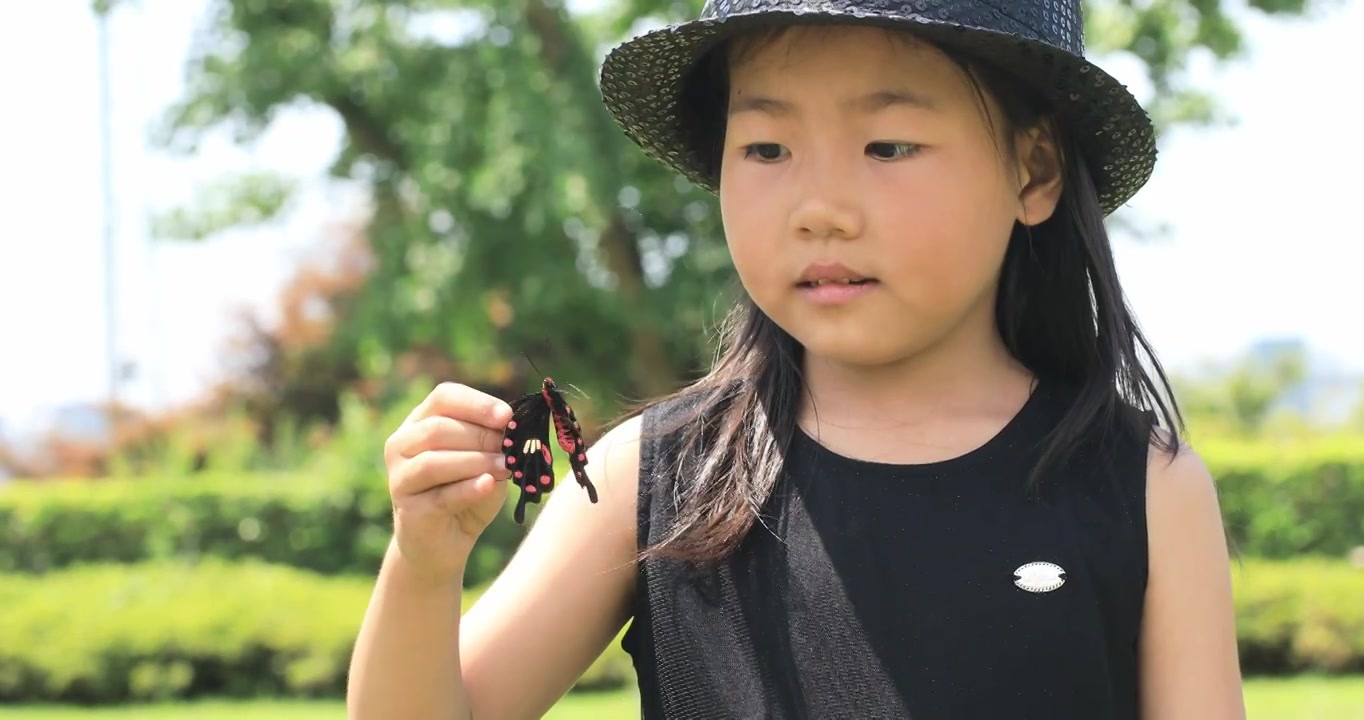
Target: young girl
{"points": [[925, 477]]}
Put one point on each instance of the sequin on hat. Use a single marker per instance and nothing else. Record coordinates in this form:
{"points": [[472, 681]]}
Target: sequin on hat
{"points": [[1039, 41]]}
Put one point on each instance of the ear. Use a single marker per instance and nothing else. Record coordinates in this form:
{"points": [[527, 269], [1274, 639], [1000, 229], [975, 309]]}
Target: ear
{"points": [[1039, 174]]}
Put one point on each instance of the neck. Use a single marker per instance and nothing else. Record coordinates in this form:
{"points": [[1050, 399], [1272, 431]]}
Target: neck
{"points": [[966, 374]]}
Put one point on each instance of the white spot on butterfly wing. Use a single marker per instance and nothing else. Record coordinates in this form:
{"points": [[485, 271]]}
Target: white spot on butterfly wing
{"points": [[1039, 577]]}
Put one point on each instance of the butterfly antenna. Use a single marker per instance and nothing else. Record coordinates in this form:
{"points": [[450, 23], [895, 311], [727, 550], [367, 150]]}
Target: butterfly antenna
{"points": [[580, 392], [532, 364]]}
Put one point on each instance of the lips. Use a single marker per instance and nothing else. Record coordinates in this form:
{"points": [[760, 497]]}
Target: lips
{"points": [[832, 284], [821, 274], [827, 281]]}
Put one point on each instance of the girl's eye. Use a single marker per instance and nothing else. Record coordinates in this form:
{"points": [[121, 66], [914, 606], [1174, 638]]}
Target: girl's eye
{"points": [[892, 151], [766, 152]]}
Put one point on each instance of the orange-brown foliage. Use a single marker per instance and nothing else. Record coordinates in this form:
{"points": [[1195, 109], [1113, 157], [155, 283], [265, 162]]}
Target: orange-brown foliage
{"points": [[272, 372]]}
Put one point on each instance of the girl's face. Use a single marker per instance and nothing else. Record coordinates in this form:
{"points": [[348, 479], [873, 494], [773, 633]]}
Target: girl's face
{"points": [[854, 155]]}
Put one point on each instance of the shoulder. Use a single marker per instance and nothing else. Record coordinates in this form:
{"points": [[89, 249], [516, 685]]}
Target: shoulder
{"points": [[577, 558], [1190, 664], [631, 441], [572, 527], [634, 450], [618, 448], [669, 437], [1183, 515], [1181, 494], [615, 457], [667, 425]]}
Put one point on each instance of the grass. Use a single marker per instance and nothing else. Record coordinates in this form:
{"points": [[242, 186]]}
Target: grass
{"points": [[577, 706], [1318, 698]]}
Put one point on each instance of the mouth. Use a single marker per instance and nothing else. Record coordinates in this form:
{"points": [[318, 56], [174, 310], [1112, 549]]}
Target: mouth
{"points": [[825, 274], [834, 281], [835, 288]]}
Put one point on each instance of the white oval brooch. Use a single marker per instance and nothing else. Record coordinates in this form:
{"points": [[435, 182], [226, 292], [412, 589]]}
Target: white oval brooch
{"points": [[1039, 577]]}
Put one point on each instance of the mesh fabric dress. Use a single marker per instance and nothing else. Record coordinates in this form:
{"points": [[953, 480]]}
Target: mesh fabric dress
{"points": [[891, 591]]}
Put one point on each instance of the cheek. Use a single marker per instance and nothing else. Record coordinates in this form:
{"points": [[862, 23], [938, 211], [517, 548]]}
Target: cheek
{"points": [[753, 227], [944, 233]]}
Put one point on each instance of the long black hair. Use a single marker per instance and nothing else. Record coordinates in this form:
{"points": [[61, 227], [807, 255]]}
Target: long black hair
{"points": [[1060, 311]]}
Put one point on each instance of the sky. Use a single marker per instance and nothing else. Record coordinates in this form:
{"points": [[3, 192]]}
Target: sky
{"points": [[1260, 243]]}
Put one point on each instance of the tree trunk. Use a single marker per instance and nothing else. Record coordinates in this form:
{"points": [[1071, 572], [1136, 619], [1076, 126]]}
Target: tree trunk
{"points": [[651, 366], [652, 369]]}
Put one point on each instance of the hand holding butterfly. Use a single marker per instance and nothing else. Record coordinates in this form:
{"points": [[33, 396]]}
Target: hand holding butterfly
{"points": [[419, 654], [447, 479]]}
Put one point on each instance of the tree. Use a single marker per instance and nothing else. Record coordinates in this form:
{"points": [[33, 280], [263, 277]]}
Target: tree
{"points": [[510, 215], [1243, 396]]}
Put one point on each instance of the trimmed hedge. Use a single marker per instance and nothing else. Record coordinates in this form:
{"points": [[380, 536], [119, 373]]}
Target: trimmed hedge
{"points": [[1300, 616], [278, 518], [163, 630], [1279, 501], [156, 631], [1291, 498], [297, 520], [114, 633]]}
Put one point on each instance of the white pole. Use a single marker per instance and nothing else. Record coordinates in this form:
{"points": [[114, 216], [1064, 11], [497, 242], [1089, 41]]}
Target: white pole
{"points": [[107, 188]]}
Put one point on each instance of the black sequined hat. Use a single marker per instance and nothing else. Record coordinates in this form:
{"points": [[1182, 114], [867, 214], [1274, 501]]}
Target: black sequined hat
{"points": [[1041, 42]]}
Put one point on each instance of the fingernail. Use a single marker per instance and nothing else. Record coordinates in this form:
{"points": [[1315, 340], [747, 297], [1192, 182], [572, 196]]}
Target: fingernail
{"points": [[500, 409], [501, 461]]}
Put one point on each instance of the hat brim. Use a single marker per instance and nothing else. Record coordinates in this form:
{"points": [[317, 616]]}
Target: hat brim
{"points": [[641, 82]]}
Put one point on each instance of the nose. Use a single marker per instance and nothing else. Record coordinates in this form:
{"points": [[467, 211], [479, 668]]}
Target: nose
{"points": [[827, 208]]}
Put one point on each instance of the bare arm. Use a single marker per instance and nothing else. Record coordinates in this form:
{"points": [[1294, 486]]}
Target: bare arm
{"points": [[565, 594], [563, 597], [1189, 662], [406, 658]]}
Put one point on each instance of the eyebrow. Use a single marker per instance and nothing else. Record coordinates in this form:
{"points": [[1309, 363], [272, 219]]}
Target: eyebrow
{"points": [[870, 103]]}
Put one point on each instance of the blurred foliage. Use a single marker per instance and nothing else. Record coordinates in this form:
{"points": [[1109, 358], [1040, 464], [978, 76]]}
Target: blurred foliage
{"points": [[250, 198], [111, 633], [510, 222], [1245, 397], [1166, 35], [491, 235], [1299, 616], [152, 631], [332, 513], [511, 219], [1290, 498]]}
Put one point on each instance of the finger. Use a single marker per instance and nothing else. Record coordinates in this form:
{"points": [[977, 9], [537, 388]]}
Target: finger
{"points": [[438, 467], [439, 432], [462, 402], [463, 494]]}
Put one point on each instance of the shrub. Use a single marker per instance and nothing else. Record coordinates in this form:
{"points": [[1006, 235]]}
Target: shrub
{"points": [[307, 522], [1300, 615], [1279, 500], [1287, 499], [278, 518], [155, 631], [112, 633]]}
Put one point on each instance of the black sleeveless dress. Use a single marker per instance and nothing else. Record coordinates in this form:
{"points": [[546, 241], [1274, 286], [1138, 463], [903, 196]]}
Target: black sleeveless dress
{"points": [[929, 591]]}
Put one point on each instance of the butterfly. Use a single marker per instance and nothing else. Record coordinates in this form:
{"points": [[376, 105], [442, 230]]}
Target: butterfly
{"points": [[525, 443]]}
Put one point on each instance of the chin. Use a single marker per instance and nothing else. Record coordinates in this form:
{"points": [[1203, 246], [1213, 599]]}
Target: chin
{"points": [[857, 349], [858, 357]]}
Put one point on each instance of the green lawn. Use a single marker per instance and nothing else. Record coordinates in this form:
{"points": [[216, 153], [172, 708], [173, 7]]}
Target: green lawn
{"points": [[1310, 698], [577, 706], [1276, 699]]}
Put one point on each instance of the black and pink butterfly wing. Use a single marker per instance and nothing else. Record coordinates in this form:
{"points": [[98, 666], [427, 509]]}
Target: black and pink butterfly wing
{"points": [[525, 443], [570, 436]]}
